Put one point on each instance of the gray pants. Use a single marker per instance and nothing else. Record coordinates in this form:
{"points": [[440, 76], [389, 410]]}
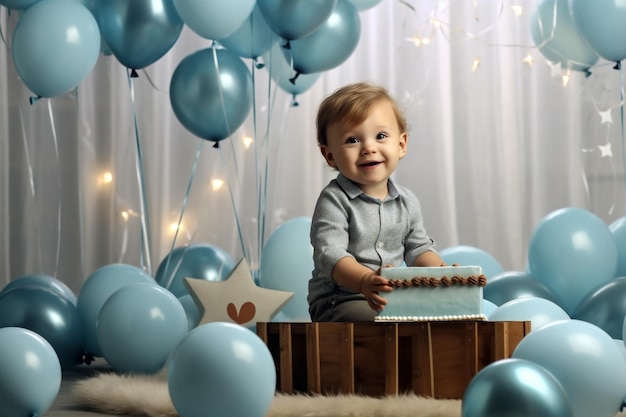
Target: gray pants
{"points": [[339, 307]]}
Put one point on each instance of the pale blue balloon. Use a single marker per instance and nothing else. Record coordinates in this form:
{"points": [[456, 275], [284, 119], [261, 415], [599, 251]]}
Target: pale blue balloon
{"points": [[253, 38], [602, 24], [42, 281], [469, 255], [31, 373], [138, 328], [584, 359], [488, 307], [329, 45], [284, 75], [510, 285], [605, 306], [287, 262], [221, 369], [618, 230], [572, 251], [139, 32], [363, 5], [55, 45], [214, 19], [538, 311], [211, 93], [96, 289], [293, 19], [18, 4], [515, 388], [558, 39], [191, 310]]}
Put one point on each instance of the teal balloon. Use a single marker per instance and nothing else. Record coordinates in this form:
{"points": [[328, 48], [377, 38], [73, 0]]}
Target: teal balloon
{"points": [[287, 262], [197, 260], [584, 359], [96, 289], [511, 285], [18, 4], [31, 373], [191, 310], [253, 38], [330, 45], [538, 311], [572, 251], [293, 19], [51, 316], [284, 75], [363, 5], [55, 45], [211, 93], [221, 369], [469, 255], [42, 281], [602, 24], [138, 328], [515, 388], [605, 306], [618, 230], [214, 19], [558, 39], [139, 32]]}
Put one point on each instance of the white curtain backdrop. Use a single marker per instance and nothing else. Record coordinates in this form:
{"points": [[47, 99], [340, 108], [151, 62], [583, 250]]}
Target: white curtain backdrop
{"points": [[497, 141]]}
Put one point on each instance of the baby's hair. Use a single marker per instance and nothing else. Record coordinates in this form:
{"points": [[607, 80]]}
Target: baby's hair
{"points": [[350, 104]]}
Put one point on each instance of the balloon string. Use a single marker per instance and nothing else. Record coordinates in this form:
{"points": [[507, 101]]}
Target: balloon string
{"points": [[257, 170], [4, 41], [621, 107], [182, 212], [145, 230], [232, 202], [56, 152]]}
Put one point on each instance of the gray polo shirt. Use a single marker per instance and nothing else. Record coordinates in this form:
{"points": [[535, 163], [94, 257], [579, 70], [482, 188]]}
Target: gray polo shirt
{"points": [[348, 222]]}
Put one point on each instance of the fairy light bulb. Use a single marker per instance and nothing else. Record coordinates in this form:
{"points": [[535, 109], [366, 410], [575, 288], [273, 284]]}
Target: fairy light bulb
{"points": [[174, 227], [247, 142], [436, 22], [105, 178], [518, 10], [124, 215], [475, 64], [528, 59], [565, 78], [217, 183]]}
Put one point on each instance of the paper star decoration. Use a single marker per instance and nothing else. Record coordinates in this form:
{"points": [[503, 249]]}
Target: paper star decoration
{"points": [[605, 150], [606, 116], [237, 299]]}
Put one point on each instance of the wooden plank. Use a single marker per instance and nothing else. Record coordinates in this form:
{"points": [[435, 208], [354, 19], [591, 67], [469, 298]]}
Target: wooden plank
{"points": [[286, 368], [261, 331], [347, 355], [391, 359], [501, 340], [314, 382], [472, 347]]}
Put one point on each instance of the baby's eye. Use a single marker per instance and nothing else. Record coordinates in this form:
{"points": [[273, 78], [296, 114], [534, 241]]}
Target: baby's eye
{"points": [[352, 139], [381, 135]]}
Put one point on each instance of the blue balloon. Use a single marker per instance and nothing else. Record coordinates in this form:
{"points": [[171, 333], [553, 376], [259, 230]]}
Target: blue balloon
{"points": [[511, 285], [191, 310], [214, 19], [363, 5], [605, 306], [42, 281], [572, 251], [469, 255], [50, 61], [601, 24], [515, 388], [618, 230], [253, 38], [330, 45], [557, 37], [98, 287], [139, 32], [31, 373], [198, 260], [138, 328], [293, 19], [211, 93], [213, 362], [287, 262], [51, 316], [18, 4], [584, 359], [283, 75], [538, 311], [488, 307]]}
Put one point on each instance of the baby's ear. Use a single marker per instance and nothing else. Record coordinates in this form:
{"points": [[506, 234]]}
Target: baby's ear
{"points": [[404, 143], [328, 156]]}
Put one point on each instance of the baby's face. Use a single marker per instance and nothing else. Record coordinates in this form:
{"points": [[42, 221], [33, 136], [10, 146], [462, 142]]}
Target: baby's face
{"points": [[367, 153]]}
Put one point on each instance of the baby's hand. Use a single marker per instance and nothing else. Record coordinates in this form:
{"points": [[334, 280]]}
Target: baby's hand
{"points": [[371, 285]]}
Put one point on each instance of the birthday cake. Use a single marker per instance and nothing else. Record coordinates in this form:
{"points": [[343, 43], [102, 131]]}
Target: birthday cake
{"points": [[434, 294]]}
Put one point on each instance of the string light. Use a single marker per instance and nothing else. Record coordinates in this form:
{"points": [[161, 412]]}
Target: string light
{"points": [[174, 227], [565, 78], [105, 178], [518, 10], [475, 64], [217, 183], [528, 59], [124, 215], [247, 141]]}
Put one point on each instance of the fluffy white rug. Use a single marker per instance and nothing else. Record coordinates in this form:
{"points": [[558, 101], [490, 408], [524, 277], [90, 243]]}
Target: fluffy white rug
{"points": [[148, 396]]}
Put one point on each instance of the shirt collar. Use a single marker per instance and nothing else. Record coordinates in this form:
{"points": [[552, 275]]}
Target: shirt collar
{"points": [[352, 190]]}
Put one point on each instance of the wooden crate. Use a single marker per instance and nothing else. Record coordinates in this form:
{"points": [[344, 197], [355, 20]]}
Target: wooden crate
{"points": [[434, 359]]}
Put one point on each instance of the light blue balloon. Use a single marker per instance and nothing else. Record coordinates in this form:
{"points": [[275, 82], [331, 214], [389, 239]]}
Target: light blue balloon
{"points": [[538, 311], [287, 262], [214, 19], [139, 32], [511, 285], [253, 38], [31, 373], [18, 4], [330, 45], [601, 24], [55, 45], [363, 5], [618, 230], [98, 287], [42, 281], [191, 310], [197, 260], [488, 307], [605, 306], [469, 255], [572, 251], [584, 359], [138, 328], [558, 38], [284, 75], [515, 388], [211, 93], [221, 369], [293, 19]]}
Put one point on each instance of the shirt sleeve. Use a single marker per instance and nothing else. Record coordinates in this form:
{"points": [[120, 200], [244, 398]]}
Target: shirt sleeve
{"points": [[417, 240]]}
